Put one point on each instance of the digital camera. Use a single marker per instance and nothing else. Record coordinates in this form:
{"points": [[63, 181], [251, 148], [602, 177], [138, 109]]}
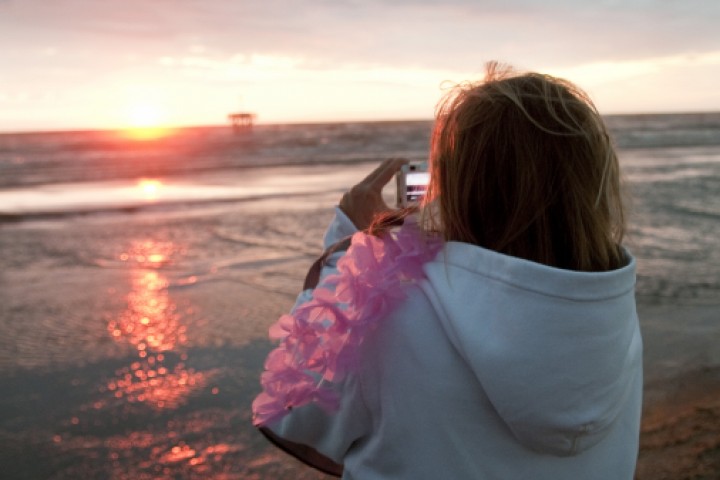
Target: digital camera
{"points": [[412, 184]]}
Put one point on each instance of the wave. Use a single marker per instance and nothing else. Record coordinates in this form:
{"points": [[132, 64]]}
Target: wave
{"points": [[667, 138], [168, 206], [665, 130]]}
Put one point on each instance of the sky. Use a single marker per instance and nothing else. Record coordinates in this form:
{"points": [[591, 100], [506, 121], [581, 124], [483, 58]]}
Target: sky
{"points": [[76, 64]]}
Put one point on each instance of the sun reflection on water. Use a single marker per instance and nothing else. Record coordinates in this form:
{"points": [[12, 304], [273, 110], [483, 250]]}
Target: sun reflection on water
{"points": [[152, 325], [146, 133], [149, 188], [151, 321]]}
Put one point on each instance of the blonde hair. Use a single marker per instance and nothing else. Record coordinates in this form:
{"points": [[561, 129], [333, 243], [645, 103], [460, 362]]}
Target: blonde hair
{"points": [[522, 164]]}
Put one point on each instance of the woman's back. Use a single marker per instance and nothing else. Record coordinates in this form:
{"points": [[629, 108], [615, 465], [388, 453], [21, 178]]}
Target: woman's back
{"points": [[494, 367]]}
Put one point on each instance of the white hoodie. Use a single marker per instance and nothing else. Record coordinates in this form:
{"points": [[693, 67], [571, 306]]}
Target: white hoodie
{"points": [[494, 368]]}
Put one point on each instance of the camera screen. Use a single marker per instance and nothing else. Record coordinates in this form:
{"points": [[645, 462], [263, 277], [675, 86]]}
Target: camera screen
{"points": [[416, 186]]}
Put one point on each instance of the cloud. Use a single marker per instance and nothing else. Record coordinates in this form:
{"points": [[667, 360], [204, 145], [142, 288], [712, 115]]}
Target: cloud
{"points": [[598, 73], [669, 83], [449, 34]]}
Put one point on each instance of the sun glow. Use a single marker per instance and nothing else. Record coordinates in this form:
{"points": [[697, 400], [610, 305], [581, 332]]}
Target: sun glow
{"points": [[146, 133], [146, 122], [145, 115], [149, 188]]}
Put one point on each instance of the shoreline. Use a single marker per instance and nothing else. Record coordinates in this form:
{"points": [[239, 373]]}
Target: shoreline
{"points": [[177, 192]]}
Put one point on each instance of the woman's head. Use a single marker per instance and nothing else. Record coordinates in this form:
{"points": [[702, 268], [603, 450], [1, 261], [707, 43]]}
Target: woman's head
{"points": [[522, 164]]}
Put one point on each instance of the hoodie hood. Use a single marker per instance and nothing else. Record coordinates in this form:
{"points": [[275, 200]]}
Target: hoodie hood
{"points": [[557, 351]]}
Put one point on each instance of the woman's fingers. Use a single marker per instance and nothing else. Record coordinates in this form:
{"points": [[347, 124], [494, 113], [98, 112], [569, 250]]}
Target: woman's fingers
{"points": [[364, 200], [385, 172]]}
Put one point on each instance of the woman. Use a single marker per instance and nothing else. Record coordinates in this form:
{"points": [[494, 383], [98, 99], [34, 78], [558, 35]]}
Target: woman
{"points": [[497, 338]]}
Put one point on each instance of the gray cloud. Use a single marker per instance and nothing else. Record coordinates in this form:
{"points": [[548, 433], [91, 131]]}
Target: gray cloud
{"points": [[460, 35], [447, 34]]}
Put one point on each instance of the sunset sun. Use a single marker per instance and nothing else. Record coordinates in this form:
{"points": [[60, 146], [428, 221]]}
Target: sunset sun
{"points": [[145, 116], [146, 122]]}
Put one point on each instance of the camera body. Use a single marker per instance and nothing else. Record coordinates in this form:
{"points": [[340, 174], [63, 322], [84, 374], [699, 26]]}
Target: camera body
{"points": [[412, 184]]}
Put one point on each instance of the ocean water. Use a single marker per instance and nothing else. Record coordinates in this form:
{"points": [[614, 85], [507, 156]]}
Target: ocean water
{"points": [[69, 157], [671, 164], [138, 278]]}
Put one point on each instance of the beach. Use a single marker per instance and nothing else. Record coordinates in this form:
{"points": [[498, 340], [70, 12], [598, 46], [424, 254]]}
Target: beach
{"points": [[134, 316], [133, 342]]}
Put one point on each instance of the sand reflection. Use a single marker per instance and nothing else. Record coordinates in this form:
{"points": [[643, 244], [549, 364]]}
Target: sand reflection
{"points": [[152, 325]]}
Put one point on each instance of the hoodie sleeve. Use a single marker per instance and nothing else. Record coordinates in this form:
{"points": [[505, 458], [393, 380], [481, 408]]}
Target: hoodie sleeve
{"points": [[319, 438], [340, 228], [314, 436]]}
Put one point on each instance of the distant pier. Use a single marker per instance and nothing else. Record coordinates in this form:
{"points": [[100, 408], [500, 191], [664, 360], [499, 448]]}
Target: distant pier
{"points": [[242, 122]]}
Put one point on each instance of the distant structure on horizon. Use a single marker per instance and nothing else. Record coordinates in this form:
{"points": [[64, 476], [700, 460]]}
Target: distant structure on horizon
{"points": [[242, 121]]}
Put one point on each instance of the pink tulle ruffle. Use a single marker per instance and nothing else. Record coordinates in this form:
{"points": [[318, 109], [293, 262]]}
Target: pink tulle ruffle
{"points": [[320, 339]]}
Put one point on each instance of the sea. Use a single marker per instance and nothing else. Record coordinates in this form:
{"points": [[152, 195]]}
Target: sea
{"points": [[139, 275]]}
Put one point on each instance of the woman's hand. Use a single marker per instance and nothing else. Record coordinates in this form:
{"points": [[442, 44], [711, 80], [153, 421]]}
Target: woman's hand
{"points": [[364, 201]]}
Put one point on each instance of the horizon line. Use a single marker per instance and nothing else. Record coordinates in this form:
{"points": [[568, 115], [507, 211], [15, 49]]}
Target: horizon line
{"points": [[308, 122]]}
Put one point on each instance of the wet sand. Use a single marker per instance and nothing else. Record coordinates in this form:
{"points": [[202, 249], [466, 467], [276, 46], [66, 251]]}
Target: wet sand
{"points": [[680, 437], [680, 433], [132, 343]]}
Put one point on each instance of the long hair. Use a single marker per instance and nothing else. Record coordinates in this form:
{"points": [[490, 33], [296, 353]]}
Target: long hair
{"points": [[522, 164]]}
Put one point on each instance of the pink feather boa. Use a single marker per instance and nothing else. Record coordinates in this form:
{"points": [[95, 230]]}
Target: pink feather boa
{"points": [[320, 339]]}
